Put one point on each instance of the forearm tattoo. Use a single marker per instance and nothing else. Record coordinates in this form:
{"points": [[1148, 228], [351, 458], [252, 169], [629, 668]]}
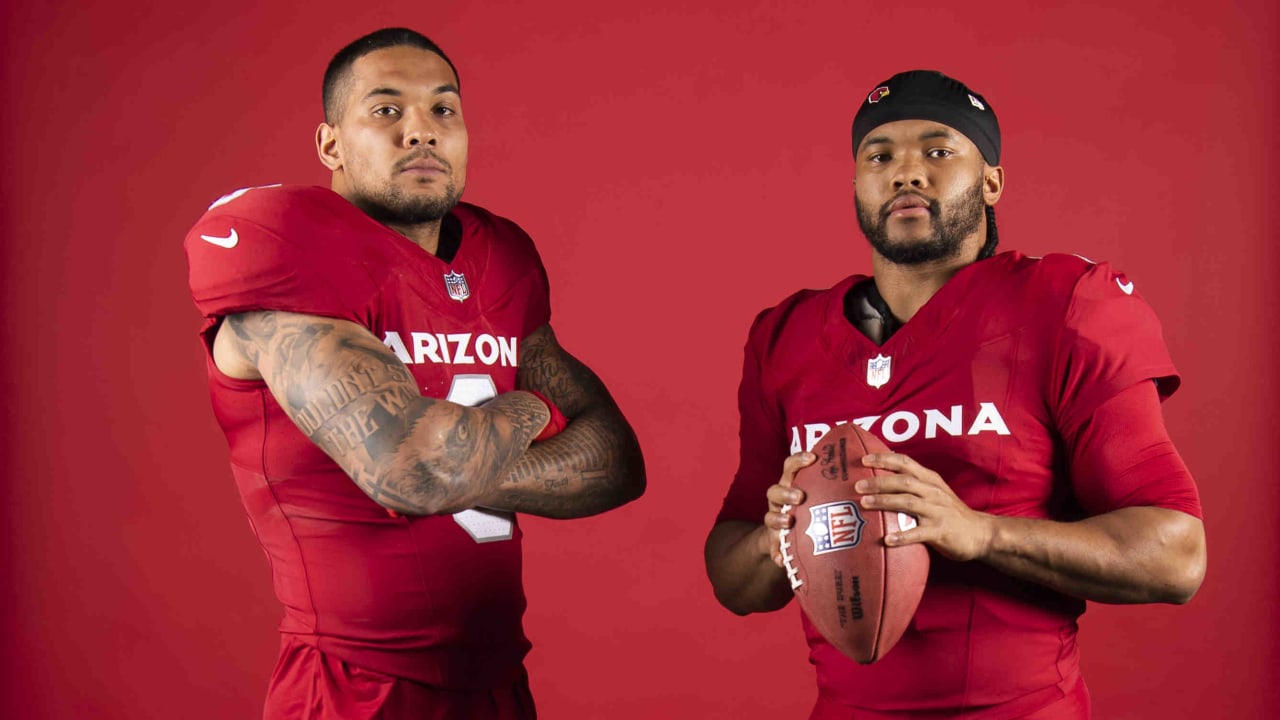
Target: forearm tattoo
{"points": [[595, 463], [357, 401]]}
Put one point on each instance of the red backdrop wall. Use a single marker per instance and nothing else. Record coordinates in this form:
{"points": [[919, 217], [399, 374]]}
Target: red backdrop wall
{"points": [[680, 168]]}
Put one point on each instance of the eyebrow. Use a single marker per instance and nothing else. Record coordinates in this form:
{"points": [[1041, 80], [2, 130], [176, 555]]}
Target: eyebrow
{"points": [[438, 90]]}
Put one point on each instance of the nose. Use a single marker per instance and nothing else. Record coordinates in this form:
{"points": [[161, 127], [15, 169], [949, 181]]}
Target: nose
{"points": [[910, 172], [420, 129]]}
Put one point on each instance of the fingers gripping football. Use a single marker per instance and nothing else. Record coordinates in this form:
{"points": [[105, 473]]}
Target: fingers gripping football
{"points": [[944, 522], [782, 497]]}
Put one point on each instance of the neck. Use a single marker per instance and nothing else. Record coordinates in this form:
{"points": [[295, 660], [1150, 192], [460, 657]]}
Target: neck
{"points": [[426, 235], [906, 288]]}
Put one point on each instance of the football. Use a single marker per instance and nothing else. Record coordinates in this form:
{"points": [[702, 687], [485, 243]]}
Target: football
{"points": [[858, 592]]}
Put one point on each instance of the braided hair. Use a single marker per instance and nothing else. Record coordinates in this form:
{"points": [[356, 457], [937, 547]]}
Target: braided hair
{"points": [[993, 237]]}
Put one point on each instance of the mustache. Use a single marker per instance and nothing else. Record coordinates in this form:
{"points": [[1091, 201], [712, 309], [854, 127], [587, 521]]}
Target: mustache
{"points": [[422, 154]]}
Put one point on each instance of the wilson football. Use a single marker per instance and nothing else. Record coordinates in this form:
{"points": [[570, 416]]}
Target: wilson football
{"points": [[858, 592]]}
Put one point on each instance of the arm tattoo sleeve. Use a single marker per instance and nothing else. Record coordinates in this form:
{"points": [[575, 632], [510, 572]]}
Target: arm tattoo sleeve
{"points": [[354, 398]]}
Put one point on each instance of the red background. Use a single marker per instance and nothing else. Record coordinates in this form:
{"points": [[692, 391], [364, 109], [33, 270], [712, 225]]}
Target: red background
{"points": [[680, 169]]}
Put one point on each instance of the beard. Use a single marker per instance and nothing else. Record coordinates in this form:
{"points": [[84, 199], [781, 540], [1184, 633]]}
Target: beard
{"points": [[391, 205], [950, 227]]}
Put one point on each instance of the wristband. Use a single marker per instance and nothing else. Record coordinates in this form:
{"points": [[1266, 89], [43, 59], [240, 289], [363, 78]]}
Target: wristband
{"points": [[557, 421]]}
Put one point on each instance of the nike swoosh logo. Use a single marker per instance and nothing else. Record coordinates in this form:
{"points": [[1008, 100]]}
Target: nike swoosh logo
{"points": [[1126, 288], [227, 242]]}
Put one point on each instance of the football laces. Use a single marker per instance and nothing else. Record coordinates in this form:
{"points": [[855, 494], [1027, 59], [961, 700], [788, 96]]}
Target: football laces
{"points": [[788, 560]]}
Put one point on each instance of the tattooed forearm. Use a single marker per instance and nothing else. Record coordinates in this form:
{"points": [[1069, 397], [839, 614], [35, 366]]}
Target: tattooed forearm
{"points": [[357, 402], [593, 465]]}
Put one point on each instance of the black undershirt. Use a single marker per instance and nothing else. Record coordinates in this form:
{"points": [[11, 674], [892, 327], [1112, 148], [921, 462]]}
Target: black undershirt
{"points": [[866, 310], [450, 238]]}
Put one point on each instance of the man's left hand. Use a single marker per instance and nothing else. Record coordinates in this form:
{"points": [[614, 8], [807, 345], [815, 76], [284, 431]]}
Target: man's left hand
{"points": [[944, 522]]}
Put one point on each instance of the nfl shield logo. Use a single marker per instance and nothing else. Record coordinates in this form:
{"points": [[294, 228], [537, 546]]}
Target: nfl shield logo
{"points": [[835, 526], [456, 284], [878, 371]]}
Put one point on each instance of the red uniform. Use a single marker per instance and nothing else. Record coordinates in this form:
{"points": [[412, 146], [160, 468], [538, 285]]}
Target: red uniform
{"points": [[993, 384], [435, 600]]}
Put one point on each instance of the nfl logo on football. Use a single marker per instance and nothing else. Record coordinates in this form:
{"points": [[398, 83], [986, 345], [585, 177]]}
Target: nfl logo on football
{"points": [[835, 526], [456, 284], [878, 371]]}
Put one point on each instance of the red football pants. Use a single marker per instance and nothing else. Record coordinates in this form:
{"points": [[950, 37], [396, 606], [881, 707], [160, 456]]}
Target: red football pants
{"points": [[310, 685]]}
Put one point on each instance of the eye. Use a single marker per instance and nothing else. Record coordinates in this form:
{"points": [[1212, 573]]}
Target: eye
{"points": [[938, 153], [445, 110], [880, 157], [386, 111]]}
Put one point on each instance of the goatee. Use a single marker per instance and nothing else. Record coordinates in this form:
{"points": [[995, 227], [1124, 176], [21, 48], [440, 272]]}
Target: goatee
{"points": [[393, 207], [950, 228]]}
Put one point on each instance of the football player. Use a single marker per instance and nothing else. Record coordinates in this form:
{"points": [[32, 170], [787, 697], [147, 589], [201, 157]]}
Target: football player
{"points": [[381, 360], [1021, 399]]}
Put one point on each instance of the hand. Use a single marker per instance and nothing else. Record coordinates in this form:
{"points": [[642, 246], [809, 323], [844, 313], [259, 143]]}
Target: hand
{"points": [[783, 497], [944, 522]]}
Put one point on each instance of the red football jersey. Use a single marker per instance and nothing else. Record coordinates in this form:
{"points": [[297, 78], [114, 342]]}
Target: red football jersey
{"points": [[989, 385], [434, 599]]}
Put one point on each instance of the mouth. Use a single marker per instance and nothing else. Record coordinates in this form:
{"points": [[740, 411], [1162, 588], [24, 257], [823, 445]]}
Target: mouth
{"points": [[422, 165], [908, 205]]}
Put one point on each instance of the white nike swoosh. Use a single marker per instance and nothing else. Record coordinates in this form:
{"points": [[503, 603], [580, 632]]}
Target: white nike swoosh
{"points": [[223, 242], [1126, 288]]}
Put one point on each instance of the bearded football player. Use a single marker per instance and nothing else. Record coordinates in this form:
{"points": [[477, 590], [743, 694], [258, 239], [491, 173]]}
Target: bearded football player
{"points": [[381, 360], [1020, 400]]}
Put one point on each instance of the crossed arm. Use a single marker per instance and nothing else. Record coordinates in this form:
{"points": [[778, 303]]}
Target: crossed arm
{"points": [[416, 455], [591, 466]]}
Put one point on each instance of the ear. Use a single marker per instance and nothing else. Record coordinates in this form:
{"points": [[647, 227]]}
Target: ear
{"points": [[327, 147], [992, 183]]}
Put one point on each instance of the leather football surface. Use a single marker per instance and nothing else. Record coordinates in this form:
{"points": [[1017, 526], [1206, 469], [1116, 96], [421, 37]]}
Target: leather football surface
{"points": [[858, 592]]}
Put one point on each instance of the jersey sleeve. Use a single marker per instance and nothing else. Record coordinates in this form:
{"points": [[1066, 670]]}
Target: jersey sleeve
{"points": [[762, 444], [1122, 457], [1109, 341], [247, 255]]}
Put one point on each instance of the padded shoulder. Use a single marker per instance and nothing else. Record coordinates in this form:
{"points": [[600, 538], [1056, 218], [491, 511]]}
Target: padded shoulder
{"points": [[280, 248]]}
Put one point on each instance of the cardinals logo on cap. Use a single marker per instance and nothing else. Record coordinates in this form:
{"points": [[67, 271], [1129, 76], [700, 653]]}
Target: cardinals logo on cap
{"points": [[878, 94]]}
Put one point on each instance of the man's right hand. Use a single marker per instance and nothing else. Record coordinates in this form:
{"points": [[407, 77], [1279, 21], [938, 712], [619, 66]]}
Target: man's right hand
{"points": [[744, 561], [782, 497]]}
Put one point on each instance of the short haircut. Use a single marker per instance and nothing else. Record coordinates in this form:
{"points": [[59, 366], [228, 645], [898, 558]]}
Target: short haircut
{"points": [[335, 76]]}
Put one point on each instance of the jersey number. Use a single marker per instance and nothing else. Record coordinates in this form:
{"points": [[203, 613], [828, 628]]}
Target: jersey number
{"points": [[482, 525]]}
